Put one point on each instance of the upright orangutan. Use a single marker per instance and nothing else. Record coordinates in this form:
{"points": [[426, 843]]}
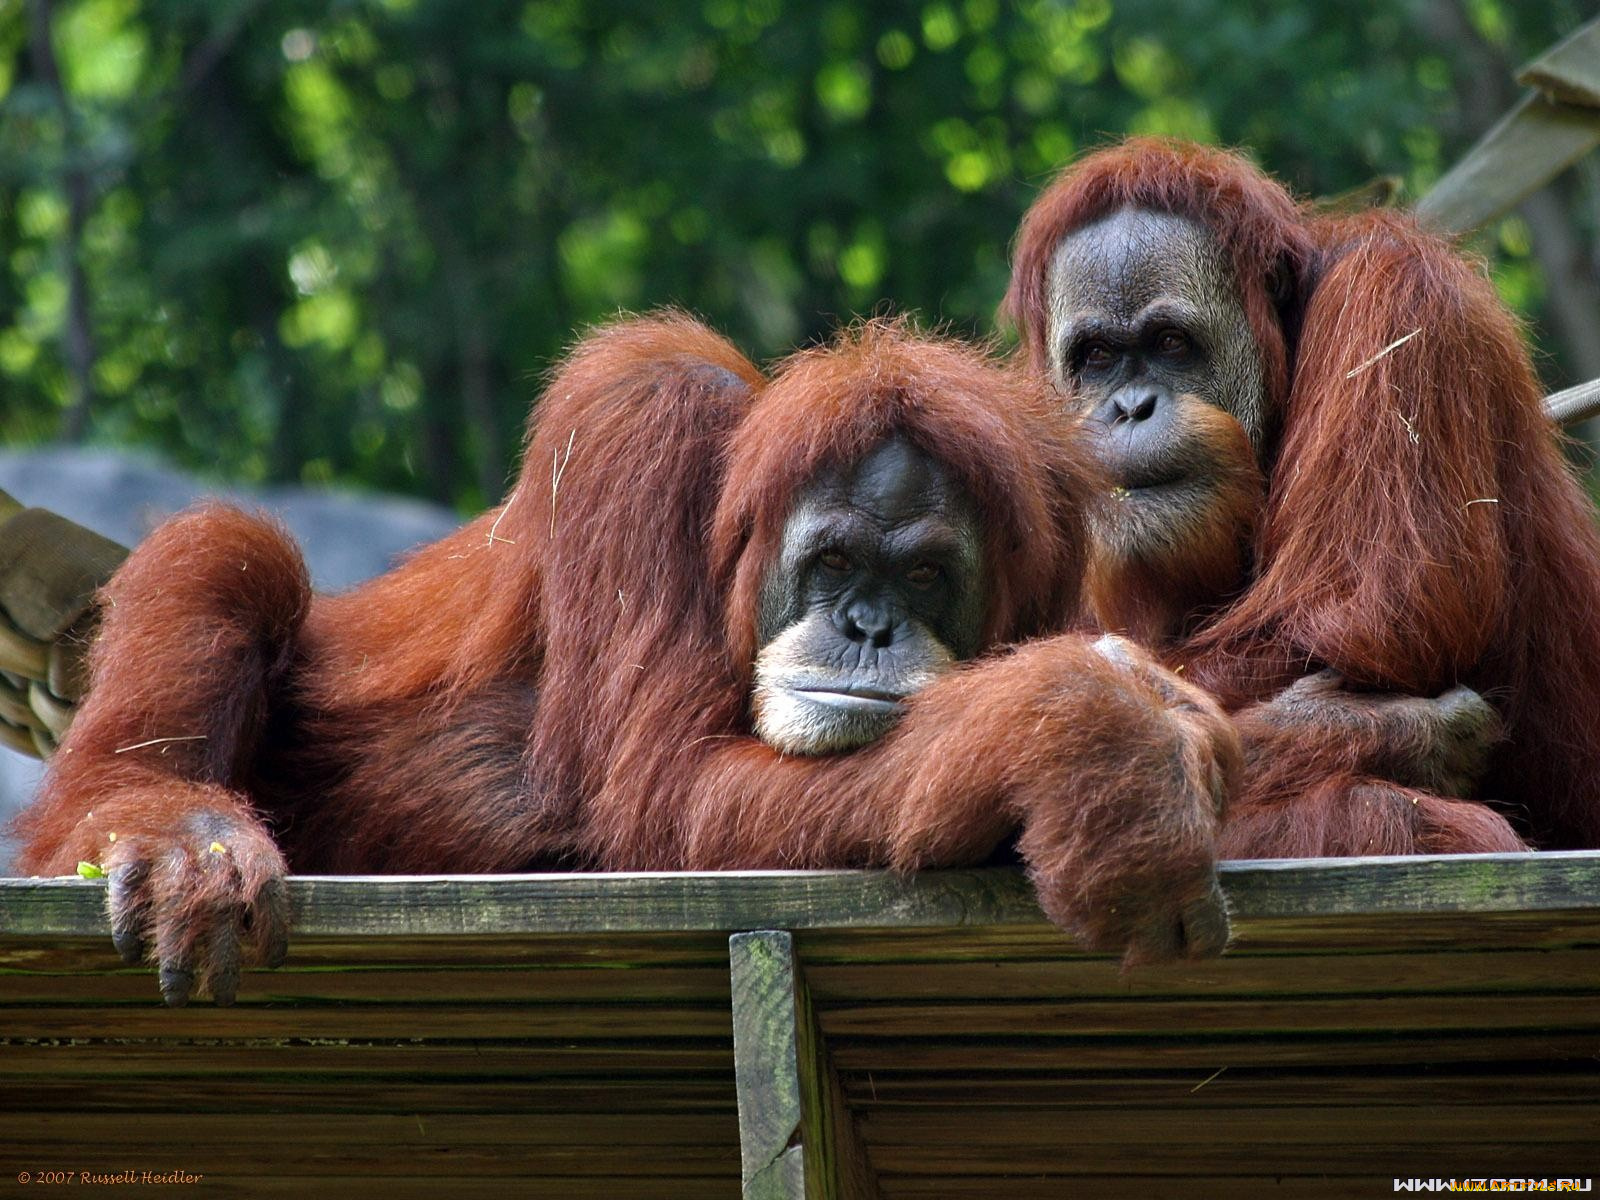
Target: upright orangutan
{"points": [[1336, 495], [719, 623]]}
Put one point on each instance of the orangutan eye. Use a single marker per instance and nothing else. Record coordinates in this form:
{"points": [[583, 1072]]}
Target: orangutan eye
{"points": [[1096, 356], [834, 561], [1172, 342], [923, 575]]}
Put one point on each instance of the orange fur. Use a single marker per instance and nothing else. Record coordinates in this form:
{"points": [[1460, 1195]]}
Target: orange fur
{"points": [[565, 682], [1420, 527]]}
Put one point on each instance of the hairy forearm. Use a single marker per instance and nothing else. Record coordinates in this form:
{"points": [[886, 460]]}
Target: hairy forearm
{"points": [[1315, 729]]}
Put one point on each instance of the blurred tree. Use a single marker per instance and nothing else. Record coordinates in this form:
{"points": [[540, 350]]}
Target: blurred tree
{"points": [[282, 239]]}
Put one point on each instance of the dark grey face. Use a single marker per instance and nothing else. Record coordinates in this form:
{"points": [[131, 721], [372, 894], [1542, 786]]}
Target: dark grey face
{"points": [[1149, 340], [876, 589], [1144, 308]]}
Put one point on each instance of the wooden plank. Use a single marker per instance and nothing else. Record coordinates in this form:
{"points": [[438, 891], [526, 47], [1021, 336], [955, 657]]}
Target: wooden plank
{"points": [[1256, 946], [271, 1146], [1570, 71], [350, 908], [1395, 1154], [835, 1157], [1444, 932], [967, 1033], [392, 906], [266, 1058], [1256, 934], [1036, 1131], [766, 1066], [649, 1023], [459, 985], [1309, 1184], [1503, 972], [64, 952], [50, 568], [797, 1137], [1532, 144], [1461, 883], [1201, 1018], [877, 1059], [298, 1185], [1377, 1049], [353, 1091], [311, 1131], [294, 1184], [1235, 1087]]}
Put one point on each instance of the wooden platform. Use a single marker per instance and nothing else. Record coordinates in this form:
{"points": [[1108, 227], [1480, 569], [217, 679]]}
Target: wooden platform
{"points": [[577, 1036]]}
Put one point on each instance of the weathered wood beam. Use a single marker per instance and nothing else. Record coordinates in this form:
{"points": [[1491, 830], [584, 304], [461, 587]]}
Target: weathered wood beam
{"points": [[1570, 70], [1532, 144], [357, 906], [766, 1065], [1546, 132], [797, 1139]]}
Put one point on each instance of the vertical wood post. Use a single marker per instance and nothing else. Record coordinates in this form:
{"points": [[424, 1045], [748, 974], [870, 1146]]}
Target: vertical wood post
{"points": [[797, 1140]]}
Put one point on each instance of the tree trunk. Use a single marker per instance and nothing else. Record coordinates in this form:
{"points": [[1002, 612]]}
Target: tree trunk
{"points": [[77, 338]]}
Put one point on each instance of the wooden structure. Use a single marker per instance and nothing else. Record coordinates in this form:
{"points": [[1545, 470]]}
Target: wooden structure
{"points": [[1555, 123], [578, 1036]]}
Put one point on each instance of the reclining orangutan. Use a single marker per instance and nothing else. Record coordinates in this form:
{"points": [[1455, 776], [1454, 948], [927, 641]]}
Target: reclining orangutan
{"points": [[719, 623], [1336, 495]]}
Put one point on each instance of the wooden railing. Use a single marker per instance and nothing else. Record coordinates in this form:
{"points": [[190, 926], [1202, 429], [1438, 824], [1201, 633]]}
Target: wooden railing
{"points": [[828, 1034]]}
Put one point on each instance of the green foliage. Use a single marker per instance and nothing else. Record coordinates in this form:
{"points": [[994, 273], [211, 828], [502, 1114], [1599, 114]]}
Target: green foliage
{"points": [[342, 241]]}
